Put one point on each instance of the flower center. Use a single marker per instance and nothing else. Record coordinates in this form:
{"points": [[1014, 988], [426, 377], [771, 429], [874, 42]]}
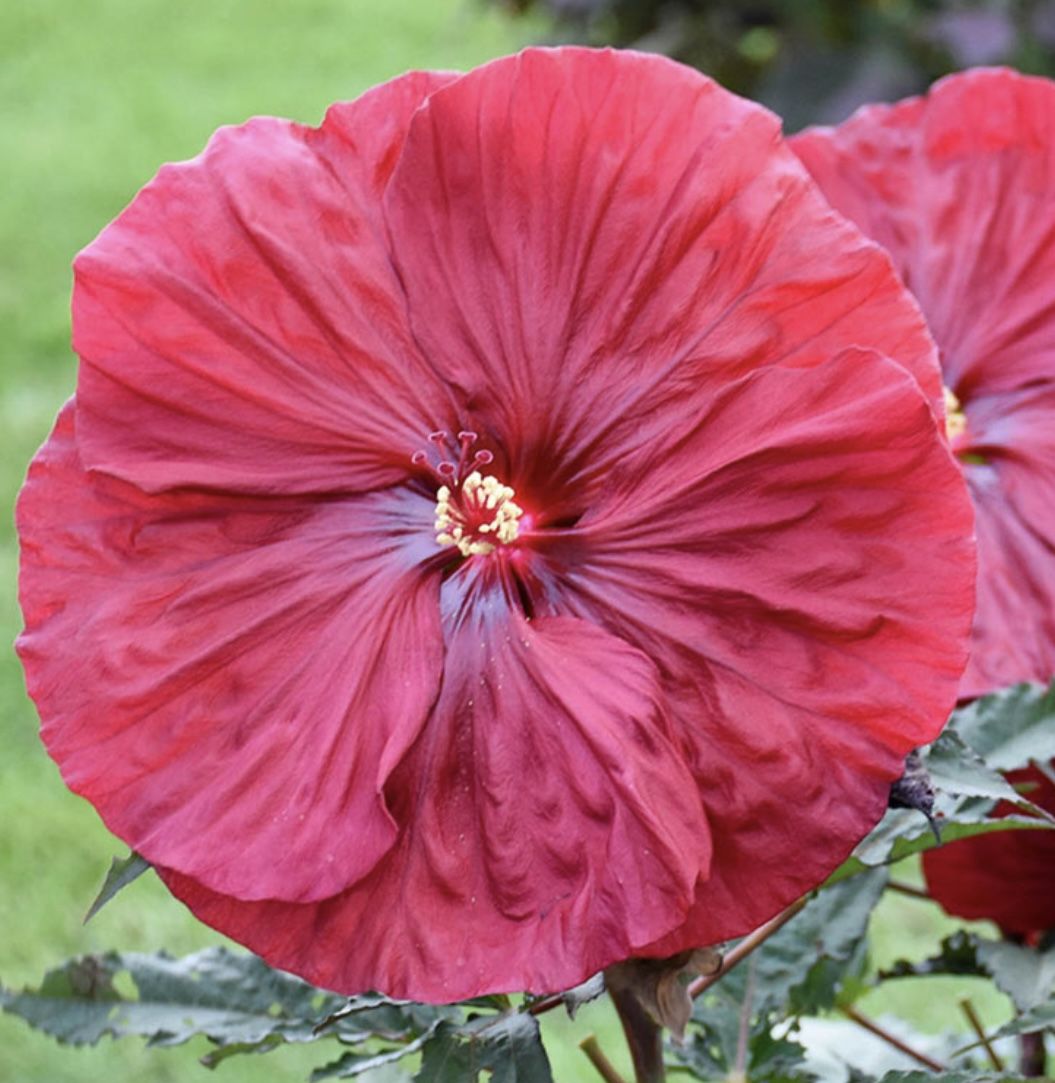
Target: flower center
{"points": [[477, 515], [955, 418], [474, 512]]}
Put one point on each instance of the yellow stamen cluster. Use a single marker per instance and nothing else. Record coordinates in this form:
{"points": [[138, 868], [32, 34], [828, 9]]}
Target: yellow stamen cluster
{"points": [[955, 419], [477, 495]]}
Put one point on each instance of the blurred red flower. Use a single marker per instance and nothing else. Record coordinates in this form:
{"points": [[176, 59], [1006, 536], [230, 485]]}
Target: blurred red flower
{"points": [[957, 186], [1007, 877], [622, 658]]}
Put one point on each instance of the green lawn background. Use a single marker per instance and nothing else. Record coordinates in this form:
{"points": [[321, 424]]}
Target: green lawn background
{"points": [[96, 94]]}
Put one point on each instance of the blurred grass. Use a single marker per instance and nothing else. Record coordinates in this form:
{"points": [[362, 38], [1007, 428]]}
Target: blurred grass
{"points": [[97, 94]]}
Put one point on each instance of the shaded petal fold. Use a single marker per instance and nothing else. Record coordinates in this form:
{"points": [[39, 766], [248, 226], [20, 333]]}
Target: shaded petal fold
{"points": [[240, 324], [551, 821], [215, 674], [583, 234], [801, 570]]}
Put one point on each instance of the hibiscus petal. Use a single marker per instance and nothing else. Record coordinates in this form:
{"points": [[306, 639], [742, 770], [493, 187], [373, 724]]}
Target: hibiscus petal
{"points": [[801, 572], [215, 674], [550, 821], [583, 234], [1013, 637], [240, 324], [957, 187], [1007, 877]]}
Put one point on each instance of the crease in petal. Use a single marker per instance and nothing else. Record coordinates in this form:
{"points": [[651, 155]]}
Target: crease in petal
{"points": [[804, 557], [665, 706], [241, 325], [525, 227], [551, 818], [224, 696]]}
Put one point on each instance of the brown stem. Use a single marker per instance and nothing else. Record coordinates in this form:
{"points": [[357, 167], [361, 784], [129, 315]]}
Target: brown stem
{"points": [[976, 1025], [908, 889], [746, 946], [546, 1004], [595, 1055], [644, 1035], [892, 1040], [1032, 1056]]}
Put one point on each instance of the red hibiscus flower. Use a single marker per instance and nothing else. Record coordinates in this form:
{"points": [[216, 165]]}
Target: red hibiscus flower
{"points": [[1008, 877], [957, 187], [491, 537]]}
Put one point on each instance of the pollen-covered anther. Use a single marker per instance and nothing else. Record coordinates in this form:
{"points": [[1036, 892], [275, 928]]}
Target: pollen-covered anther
{"points": [[955, 418], [477, 515]]}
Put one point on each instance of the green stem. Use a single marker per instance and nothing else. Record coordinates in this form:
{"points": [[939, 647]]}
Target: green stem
{"points": [[979, 1030], [595, 1055]]}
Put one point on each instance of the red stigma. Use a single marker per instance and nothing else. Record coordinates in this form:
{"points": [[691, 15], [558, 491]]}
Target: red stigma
{"points": [[451, 460]]}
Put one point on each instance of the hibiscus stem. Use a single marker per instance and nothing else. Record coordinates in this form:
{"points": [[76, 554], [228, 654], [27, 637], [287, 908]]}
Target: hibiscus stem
{"points": [[546, 1004], [976, 1025], [644, 1035], [892, 1039], [746, 946], [908, 889], [595, 1055], [1032, 1056]]}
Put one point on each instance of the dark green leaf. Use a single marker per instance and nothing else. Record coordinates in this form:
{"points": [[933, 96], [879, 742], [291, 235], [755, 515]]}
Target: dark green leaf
{"points": [[1041, 1017], [1025, 974], [509, 1046], [956, 768], [902, 833], [1011, 727], [710, 1046], [958, 954], [447, 1058], [774, 1060], [967, 790], [123, 870], [234, 1000], [353, 1064], [710, 1049], [233, 1049], [805, 963], [802, 968], [512, 1049], [948, 1077], [582, 994]]}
